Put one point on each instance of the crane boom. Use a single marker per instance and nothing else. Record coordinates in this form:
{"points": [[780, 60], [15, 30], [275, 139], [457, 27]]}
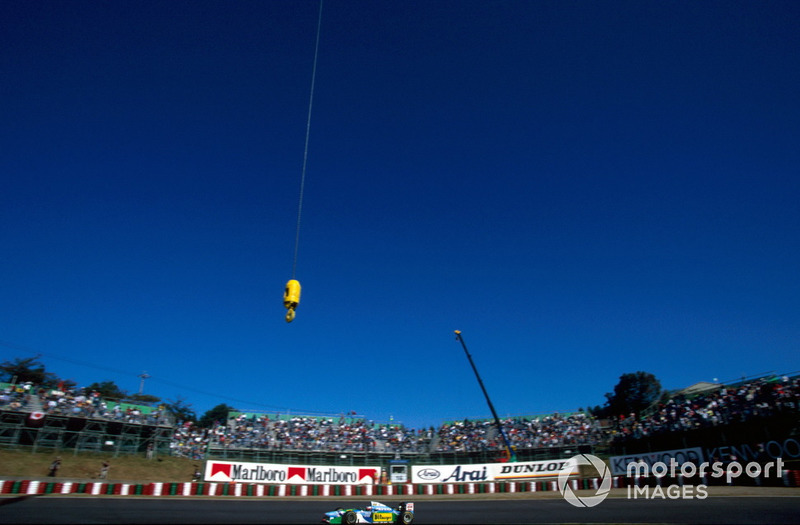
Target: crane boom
{"points": [[509, 451]]}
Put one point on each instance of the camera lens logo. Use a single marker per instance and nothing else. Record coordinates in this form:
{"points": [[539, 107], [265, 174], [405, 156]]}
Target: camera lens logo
{"points": [[586, 501]]}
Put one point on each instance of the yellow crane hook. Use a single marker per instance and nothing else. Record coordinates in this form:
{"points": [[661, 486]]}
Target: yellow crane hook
{"points": [[291, 298]]}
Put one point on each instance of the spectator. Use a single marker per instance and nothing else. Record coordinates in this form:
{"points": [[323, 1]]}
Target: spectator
{"points": [[54, 466], [104, 470]]}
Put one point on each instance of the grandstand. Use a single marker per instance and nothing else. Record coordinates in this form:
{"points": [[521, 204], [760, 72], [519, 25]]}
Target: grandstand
{"points": [[71, 420], [762, 409]]}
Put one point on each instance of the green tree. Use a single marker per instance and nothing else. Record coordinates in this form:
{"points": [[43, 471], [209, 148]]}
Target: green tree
{"points": [[107, 390], [634, 392], [27, 369], [218, 413], [144, 399], [598, 411], [180, 409]]}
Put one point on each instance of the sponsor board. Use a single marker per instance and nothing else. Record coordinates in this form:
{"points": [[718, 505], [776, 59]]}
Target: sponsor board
{"points": [[773, 449], [619, 464], [491, 471], [227, 471]]}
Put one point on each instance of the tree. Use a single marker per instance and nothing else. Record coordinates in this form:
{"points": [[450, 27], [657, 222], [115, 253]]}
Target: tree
{"points": [[29, 369], [598, 411], [180, 409], [144, 399], [107, 390], [634, 392], [218, 413]]}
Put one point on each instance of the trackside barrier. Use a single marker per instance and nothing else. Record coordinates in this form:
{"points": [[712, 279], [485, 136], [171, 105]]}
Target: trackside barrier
{"points": [[791, 478]]}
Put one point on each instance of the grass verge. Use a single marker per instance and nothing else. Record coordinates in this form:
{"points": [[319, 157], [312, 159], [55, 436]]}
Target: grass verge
{"points": [[86, 465]]}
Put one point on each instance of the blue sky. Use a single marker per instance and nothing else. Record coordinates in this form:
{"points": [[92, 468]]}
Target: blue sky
{"points": [[584, 189]]}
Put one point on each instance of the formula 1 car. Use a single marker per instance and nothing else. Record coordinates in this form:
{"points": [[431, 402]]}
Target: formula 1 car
{"points": [[375, 513]]}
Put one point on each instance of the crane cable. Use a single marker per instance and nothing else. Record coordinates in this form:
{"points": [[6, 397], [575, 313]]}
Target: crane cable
{"points": [[305, 150], [291, 294]]}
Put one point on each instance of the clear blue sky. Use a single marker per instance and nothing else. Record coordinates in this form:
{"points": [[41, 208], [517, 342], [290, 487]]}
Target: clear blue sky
{"points": [[583, 188]]}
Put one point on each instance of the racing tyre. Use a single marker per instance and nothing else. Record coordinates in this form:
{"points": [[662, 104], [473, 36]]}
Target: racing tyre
{"points": [[406, 518], [350, 518]]}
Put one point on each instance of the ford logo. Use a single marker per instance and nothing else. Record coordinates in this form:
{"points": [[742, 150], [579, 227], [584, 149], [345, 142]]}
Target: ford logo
{"points": [[428, 474]]}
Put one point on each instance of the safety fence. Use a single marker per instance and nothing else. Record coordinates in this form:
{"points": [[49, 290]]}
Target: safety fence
{"points": [[791, 478]]}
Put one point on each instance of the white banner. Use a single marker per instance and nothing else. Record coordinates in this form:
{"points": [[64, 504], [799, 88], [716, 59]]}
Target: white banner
{"points": [[490, 471], [619, 464], [227, 471]]}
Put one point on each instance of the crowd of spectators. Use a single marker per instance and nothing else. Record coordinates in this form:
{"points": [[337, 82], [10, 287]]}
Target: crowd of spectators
{"points": [[322, 434], [522, 432], [79, 402], [554, 431], [467, 436], [12, 398], [190, 441], [721, 406]]}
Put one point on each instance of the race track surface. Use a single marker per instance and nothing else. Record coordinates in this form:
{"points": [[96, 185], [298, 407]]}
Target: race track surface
{"points": [[771, 508]]}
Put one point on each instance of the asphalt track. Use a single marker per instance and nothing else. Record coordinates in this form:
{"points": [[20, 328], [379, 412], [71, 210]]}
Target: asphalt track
{"points": [[773, 509]]}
